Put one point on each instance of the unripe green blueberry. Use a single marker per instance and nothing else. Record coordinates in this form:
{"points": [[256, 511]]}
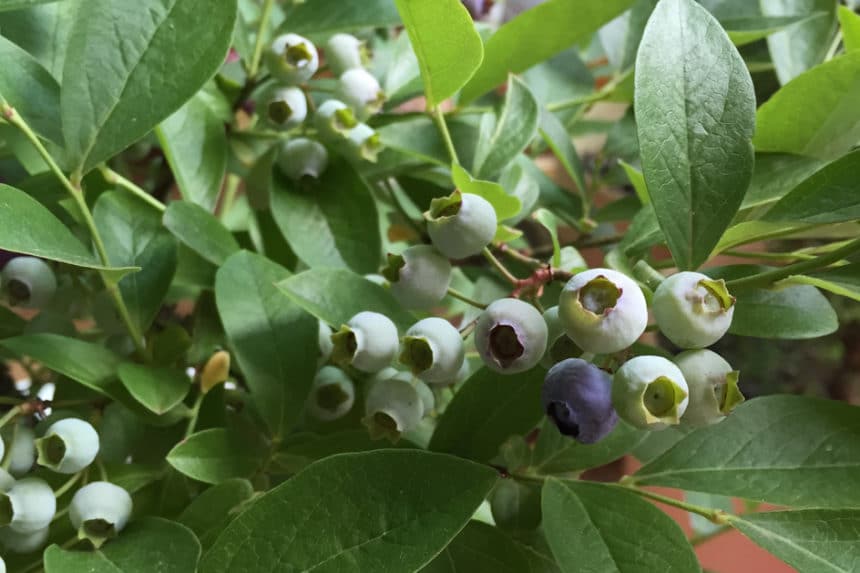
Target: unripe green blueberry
{"points": [[6, 480], [334, 119], [693, 310], [99, 511], [292, 59], [713, 387], [363, 143], [345, 52], [28, 282], [510, 336], [419, 276], [461, 224], [286, 108], [301, 157], [559, 345], [28, 506], [358, 89], [325, 345], [18, 542], [650, 392], [428, 399], [69, 446], [332, 394], [433, 350], [368, 342], [392, 407], [22, 450], [603, 311]]}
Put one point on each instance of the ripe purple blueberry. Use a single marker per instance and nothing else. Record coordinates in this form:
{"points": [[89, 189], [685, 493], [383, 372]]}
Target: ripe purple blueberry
{"points": [[577, 397], [511, 336]]}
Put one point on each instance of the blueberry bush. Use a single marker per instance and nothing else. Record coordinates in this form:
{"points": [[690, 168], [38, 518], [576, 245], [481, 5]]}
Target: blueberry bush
{"points": [[325, 285]]}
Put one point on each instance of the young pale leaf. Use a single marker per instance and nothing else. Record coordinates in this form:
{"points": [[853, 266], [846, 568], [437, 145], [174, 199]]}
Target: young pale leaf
{"points": [[336, 295], [844, 280], [200, 231], [444, 39], [147, 545], [334, 224], [274, 341], [514, 129], [506, 206], [195, 145], [811, 540], [827, 196], [217, 455], [538, 34], [787, 123], [30, 90], [695, 110], [480, 548], [158, 389], [850, 24], [590, 526], [133, 236], [156, 62], [550, 223], [804, 45], [555, 453], [479, 418], [326, 17], [420, 138], [394, 515], [757, 453]]}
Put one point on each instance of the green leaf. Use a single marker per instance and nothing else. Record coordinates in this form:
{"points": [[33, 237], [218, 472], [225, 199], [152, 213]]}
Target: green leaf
{"points": [[536, 35], [550, 223], [201, 231], [827, 196], [41, 29], [158, 389], [775, 175], [336, 295], [850, 24], [28, 228], [514, 129], [195, 145], [19, 4], [31, 90], [804, 45], [590, 526], [506, 206], [555, 453], [212, 510], [699, 164], [793, 312], [217, 455], [147, 545], [10, 323], [844, 280], [444, 39], [274, 341], [758, 453], [637, 180], [133, 236], [744, 31], [156, 62], [373, 511], [333, 224], [329, 16], [420, 138], [788, 124], [559, 141], [486, 411], [479, 548], [294, 457], [811, 541]]}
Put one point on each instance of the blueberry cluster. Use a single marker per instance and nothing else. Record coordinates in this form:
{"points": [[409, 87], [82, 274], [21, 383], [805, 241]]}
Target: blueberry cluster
{"points": [[293, 60], [28, 505]]}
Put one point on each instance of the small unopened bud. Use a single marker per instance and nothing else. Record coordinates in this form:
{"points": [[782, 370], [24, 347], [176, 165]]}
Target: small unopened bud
{"points": [[216, 371]]}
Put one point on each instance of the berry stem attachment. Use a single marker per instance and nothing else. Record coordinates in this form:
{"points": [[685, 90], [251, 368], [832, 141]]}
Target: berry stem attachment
{"points": [[470, 301], [70, 483], [515, 255], [10, 415], [647, 275], [254, 66], [439, 116], [115, 178], [499, 266]]}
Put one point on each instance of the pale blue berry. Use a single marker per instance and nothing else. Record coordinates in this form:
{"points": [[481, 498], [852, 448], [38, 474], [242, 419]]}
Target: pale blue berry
{"points": [[28, 282], [301, 157], [28, 506], [292, 59], [22, 450], [511, 336], [603, 311], [428, 399], [18, 542], [419, 277], [650, 392], [461, 224], [363, 142], [693, 310], [334, 120], [358, 89], [345, 52], [325, 345], [286, 108], [559, 345], [392, 407], [433, 350], [68, 446], [368, 342], [577, 397], [713, 387], [99, 511], [332, 394]]}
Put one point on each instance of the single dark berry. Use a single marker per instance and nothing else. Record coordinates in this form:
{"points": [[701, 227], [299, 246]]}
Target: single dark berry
{"points": [[577, 397]]}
